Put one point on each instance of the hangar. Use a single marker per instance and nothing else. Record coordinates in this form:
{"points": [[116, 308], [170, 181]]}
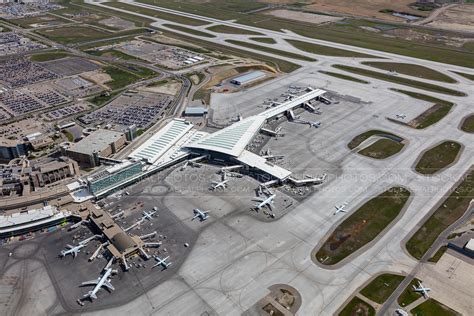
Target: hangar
{"points": [[248, 78]]}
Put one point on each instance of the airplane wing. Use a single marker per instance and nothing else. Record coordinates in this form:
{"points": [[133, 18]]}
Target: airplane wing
{"points": [[270, 206], [89, 283], [108, 285], [257, 199], [69, 246]]}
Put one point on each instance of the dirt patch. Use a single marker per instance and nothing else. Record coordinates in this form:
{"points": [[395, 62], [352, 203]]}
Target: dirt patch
{"points": [[171, 88], [412, 35], [457, 18], [97, 77], [304, 17], [365, 8], [118, 23], [423, 116]]}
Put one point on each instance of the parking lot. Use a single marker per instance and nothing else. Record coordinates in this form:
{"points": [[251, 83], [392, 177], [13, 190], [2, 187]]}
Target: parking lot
{"points": [[70, 66], [140, 109], [12, 44], [31, 98], [66, 111], [168, 56], [17, 72]]}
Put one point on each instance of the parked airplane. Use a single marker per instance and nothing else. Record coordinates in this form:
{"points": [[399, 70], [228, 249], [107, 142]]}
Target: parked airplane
{"points": [[162, 262], [218, 184], [315, 124], [310, 123], [102, 281], [264, 202], [147, 216], [340, 208], [401, 116], [202, 215], [421, 289], [72, 250]]}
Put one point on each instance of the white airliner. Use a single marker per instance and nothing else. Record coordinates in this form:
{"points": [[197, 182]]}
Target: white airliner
{"points": [[102, 281], [340, 208], [421, 289], [202, 215], [264, 202], [218, 184], [148, 216], [162, 262], [401, 116], [315, 124], [72, 250]]}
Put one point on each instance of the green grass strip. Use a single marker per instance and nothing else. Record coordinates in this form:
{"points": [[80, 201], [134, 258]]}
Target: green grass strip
{"points": [[400, 80]]}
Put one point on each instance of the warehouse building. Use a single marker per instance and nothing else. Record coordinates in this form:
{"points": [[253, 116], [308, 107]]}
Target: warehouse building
{"points": [[248, 78], [195, 111], [100, 143]]}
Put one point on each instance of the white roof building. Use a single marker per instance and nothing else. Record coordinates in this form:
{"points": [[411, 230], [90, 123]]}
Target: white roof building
{"points": [[233, 139], [162, 141]]}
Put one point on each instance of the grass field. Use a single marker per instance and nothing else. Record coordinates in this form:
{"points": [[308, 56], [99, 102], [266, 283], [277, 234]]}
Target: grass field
{"points": [[433, 115], [43, 18], [343, 76], [438, 157], [73, 34], [356, 141], [380, 289], [468, 124], [408, 296], [400, 80], [326, 50], [350, 33], [223, 10], [357, 307], [432, 307], [157, 14], [189, 30], [78, 34], [114, 54], [271, 50], [265, 40], [78, 8], [282, 65], [48, 56], [123, 77], [453, 207], [104, 97], [231, 30], [438, 254], [465, 75], [4, 28], [363, 225], [382, 149], [411, 70]]}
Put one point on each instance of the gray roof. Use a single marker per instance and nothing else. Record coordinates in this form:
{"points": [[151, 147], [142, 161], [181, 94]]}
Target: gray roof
{"points": [[250, 76], [96, 141], [195, 110]]}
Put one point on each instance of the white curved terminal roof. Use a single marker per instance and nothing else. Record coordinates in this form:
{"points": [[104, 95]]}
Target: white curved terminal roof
{"points": [[231, 140], [162, 141]]}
